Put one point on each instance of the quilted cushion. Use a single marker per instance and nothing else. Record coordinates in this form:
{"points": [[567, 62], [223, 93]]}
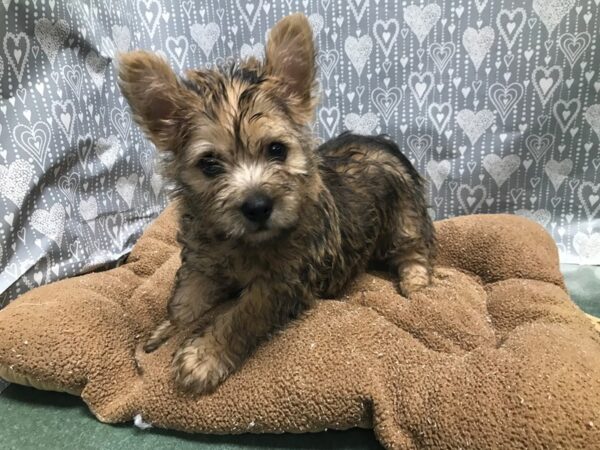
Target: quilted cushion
{"points": [[493, 355]]}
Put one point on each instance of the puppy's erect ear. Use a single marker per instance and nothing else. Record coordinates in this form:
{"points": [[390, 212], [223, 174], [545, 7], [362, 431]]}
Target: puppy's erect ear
{"points": [[290, 57], [157, 99]]}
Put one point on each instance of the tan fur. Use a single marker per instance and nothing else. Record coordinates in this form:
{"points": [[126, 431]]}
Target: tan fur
{"points": [[159, 103], [334, 210], [290, 55]]}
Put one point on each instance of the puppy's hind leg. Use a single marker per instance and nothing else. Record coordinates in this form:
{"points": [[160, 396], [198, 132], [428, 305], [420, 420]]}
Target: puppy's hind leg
{"points": [[413, 249], [414, 271]]}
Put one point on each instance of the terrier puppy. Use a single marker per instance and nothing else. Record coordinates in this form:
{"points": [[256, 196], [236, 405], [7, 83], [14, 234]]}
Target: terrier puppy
{"points": [[268, 222]]}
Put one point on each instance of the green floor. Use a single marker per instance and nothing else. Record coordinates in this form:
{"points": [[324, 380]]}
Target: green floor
{"points": [[583, 283], [31, 419]]}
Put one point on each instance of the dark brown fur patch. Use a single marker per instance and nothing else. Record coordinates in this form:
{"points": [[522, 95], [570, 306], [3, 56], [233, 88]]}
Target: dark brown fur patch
{"points": [[353, 201]]}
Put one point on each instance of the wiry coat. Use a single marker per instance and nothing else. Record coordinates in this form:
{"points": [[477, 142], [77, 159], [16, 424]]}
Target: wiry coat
{"points": [[244, 132]]}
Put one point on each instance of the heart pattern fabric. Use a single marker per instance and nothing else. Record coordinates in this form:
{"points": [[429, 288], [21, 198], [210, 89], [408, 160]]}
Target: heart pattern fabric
{"points": [[496, 103], [70, 156]]}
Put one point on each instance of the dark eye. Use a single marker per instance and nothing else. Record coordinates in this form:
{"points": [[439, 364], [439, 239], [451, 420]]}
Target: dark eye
{"points": [[277, 151], [210, 166]]}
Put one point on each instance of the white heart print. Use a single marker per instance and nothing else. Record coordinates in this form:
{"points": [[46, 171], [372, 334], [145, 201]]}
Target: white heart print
{"points": [[475, 124], [361, 124], [250, 10], [438, 171], [592, 115], [329, 118], [150, 12], [51, 223], [541, 216], [16, 48], [177, 47], [422, 20], [257, 51], [15, 181], [107, 150], [552, 11], [51, 36], [511, 24], [546, 80], [471, 199], [558, 171], [88, 208], [34, 140], [478, 43], [587, 246], [205, 36], [500, 169], [126, 188], [358, 50]]}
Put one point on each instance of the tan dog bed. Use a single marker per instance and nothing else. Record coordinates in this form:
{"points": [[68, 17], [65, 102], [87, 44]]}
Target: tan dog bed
{"points": [[494, 355]]}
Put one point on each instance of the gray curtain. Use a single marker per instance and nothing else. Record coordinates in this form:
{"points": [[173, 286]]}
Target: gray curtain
{"points": [[497, 103]]}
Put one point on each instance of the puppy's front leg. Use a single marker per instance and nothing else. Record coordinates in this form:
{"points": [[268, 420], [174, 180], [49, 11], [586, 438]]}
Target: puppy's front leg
{"points": [[193, 296], [206, 360]]}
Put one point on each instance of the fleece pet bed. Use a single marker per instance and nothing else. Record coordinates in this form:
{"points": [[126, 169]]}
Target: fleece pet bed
{"points": [[493, 355]]}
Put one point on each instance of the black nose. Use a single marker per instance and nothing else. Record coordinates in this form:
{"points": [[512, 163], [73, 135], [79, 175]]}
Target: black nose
{"points": [[258, 207]]}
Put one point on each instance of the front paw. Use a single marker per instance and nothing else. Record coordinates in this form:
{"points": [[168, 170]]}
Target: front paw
{"points": [[200, 366], [159, 336]]}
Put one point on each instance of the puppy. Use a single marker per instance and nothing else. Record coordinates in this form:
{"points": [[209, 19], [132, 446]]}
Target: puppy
{"points": [[268, 221]]}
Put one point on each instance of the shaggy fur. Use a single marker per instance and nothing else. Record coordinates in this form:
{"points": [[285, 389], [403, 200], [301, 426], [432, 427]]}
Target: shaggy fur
{"points": [[268, 222]]}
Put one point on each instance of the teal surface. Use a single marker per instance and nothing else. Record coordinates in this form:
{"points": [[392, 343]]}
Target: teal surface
{"points": [[31, 419], [583, 283]]}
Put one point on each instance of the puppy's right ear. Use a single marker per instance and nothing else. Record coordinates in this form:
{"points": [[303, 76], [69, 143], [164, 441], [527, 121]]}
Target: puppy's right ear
{"points": [[157, 99]]}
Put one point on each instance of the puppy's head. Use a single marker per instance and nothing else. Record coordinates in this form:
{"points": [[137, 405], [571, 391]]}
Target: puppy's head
{"points": [[240, 135]]}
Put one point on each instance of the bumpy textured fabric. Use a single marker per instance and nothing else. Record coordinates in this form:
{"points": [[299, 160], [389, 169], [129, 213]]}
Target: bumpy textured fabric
{"points": [[493, 355], [498, 103]]}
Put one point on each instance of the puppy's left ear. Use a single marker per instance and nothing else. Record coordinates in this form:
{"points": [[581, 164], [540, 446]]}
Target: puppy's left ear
{"points": [[158, 102], [290, 57]]}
